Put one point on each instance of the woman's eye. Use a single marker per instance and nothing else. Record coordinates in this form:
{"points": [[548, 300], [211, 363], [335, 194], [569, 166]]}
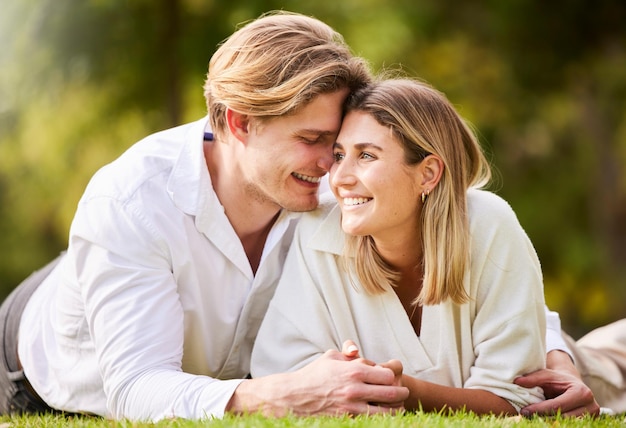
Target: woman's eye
{"points": [[366, 155], [338, 156]]}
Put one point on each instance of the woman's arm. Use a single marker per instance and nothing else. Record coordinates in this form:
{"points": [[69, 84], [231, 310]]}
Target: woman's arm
{"points": [[429, 397]]}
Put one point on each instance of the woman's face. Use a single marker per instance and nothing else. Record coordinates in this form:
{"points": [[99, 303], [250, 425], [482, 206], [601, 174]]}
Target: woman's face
{"points": [[379, 194]]}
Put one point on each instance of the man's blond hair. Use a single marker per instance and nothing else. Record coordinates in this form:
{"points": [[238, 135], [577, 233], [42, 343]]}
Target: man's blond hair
{"points": [[276, 64]]}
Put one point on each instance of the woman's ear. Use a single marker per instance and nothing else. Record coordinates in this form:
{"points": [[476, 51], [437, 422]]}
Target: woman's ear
{"points": [[238, 124], [432, 169]]}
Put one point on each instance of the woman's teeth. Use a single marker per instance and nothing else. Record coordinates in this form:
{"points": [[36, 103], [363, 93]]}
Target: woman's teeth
{"points": [[355, 201]]}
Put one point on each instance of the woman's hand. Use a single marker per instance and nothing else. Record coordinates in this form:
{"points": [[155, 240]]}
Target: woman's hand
{"points": [[351, 352]]}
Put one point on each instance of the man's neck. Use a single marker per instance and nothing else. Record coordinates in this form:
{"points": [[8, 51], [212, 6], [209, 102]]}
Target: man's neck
{"points": [[251, 219]]}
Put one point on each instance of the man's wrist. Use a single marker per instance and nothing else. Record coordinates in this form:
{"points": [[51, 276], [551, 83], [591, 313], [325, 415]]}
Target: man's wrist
{"points": [[237, 404], [561, 361], [262, 395]]}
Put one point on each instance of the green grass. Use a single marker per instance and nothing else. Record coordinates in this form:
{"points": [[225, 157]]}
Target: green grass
{"points": [[408, 420]]}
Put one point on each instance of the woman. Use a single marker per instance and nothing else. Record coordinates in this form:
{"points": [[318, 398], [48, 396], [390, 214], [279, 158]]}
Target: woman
{"points": [[428, 269]]}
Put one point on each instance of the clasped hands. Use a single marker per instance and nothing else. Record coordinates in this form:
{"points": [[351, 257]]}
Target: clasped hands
{"points": [[350, 352]]}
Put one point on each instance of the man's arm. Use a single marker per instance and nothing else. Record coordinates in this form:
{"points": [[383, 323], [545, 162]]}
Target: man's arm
{"points": [[563, 387], [331, 385]]}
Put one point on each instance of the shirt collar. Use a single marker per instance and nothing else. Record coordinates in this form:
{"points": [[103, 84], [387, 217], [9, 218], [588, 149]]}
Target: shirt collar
{"points": [[328, 237], [189, 184]]}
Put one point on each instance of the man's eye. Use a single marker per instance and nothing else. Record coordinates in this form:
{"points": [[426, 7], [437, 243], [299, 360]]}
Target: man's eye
{"points": [[310, 141]]}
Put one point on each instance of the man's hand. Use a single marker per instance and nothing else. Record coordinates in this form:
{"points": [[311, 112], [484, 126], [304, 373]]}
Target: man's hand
{"points": [[351, 352], [333, 384], [564, 389]]}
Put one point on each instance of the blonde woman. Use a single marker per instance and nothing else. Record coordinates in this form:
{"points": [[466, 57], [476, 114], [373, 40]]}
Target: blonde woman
{"points": [[413, 263]]}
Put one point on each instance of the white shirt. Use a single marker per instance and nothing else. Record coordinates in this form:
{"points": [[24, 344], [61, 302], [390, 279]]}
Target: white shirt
{"points": [[483, 344], [155, 299]]}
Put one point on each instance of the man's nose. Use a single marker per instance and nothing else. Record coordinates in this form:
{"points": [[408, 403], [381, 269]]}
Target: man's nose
{"points": [[325, 160]]}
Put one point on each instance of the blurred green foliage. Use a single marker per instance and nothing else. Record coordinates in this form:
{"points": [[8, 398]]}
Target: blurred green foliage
{"points": [[544, 83]]}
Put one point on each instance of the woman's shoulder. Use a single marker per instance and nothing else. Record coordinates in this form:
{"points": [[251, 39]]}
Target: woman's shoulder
{"points": [[485, 202], [487, 209]]}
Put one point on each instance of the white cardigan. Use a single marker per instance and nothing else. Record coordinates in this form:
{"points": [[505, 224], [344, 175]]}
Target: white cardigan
{"points": [[483, 344]]}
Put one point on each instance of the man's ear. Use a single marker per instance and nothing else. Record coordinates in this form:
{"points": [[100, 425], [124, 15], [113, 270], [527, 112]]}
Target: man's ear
{"points": [[238, 124], [432, 170]]}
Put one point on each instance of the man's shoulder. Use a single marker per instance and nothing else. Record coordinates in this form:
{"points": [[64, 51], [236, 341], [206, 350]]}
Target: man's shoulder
{"points": [[149, 160]]}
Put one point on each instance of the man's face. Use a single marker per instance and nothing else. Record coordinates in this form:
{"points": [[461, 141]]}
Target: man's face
{"points": [[286, 157]]}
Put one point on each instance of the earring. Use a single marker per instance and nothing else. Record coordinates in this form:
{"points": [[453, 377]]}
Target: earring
{"points": [[424, 195]]}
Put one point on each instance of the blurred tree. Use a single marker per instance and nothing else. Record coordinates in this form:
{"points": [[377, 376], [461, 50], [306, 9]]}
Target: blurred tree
{"points": [[544, 84]]}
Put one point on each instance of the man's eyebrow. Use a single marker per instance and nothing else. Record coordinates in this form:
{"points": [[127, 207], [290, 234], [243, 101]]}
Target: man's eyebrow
{"points": [[315, 131]]}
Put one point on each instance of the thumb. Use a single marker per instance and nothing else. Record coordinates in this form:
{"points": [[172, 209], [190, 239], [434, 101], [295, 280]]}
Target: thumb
{"points": [[349, 349]]}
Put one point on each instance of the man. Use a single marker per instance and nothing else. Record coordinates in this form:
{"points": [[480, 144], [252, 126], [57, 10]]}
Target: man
{"points": [[176, 247]]}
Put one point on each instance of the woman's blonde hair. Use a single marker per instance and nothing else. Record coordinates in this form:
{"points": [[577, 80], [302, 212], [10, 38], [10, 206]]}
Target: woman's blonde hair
{"points": [[424, 122], [276, 64]]}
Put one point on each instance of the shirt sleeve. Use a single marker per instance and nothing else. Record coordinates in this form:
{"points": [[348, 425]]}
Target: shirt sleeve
{"points": [[554, 338], [135, 317], [509, 326]]}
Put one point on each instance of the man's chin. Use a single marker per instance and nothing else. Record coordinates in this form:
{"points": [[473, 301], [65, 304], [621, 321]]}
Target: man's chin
{"points": [[303, 205]]}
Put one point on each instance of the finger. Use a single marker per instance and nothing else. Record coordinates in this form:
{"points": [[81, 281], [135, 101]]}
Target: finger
{"points": [[394, 365], [581, 411], [549, 409], [388, 396], [333, 354], [374, 409], [375, 399], [567, 404], [377, 375], [544, 408], [532, 379], [349, 349]]}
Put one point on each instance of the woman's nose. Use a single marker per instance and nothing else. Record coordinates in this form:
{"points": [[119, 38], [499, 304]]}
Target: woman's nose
{"points": [[341, 174]]}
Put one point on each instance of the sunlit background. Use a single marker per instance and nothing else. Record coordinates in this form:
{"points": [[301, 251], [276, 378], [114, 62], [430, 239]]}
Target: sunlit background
{"points": [[544, 83]]}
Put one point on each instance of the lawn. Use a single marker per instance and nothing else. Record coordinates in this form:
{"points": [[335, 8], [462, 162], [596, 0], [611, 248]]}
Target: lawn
{"points": [[408, 420]]}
